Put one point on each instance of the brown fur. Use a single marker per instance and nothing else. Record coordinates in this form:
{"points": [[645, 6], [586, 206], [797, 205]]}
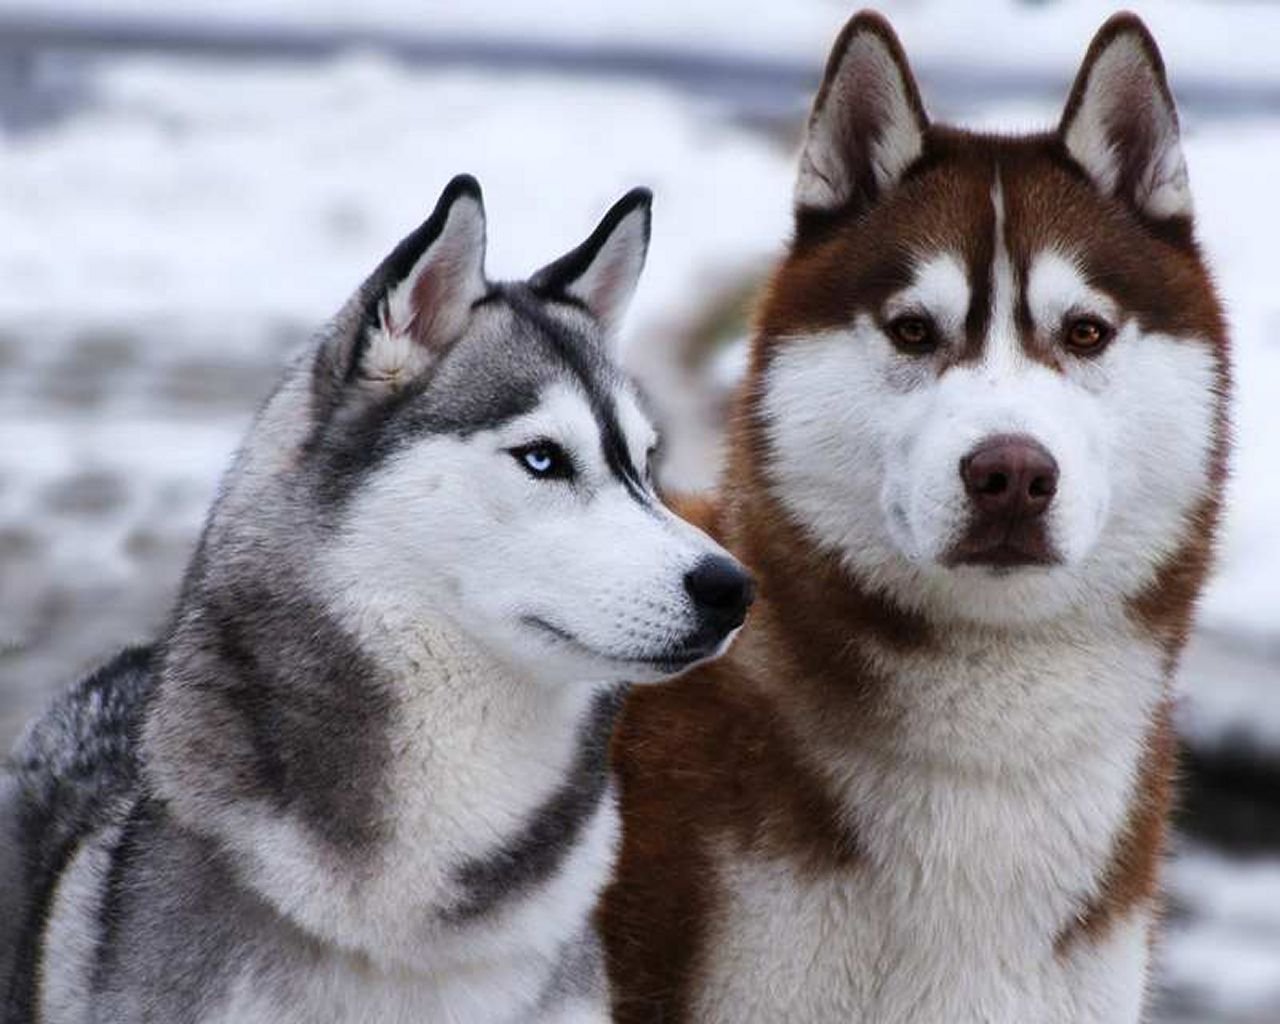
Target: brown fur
{"points": [[703, 761], [725, 756], [1132, 876]]}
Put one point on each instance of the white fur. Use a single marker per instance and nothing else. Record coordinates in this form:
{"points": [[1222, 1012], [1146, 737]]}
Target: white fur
{"points": [[475, 535], [1122, 85], [867, 443], [940, 289], [983, 823], [987, 812], [868, 78], [1056, 287], [440, 559]]}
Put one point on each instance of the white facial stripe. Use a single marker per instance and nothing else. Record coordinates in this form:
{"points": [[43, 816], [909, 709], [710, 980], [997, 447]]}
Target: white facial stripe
{"points": [[1003, 347], [636, 428], [941, 289], [1056, 286]]}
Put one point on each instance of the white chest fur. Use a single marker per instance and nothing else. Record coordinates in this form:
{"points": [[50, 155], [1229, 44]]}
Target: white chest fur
{"points": [[983, 822], [342, 990]]}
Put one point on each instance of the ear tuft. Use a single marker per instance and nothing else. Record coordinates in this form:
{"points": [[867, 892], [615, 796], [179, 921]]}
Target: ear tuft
{"points": [[1121, 125], [868, 122], [601, 274]]}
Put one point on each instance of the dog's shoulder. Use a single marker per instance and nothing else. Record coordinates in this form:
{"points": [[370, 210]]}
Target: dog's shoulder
{"points": [[67, 774], [83, 750]]}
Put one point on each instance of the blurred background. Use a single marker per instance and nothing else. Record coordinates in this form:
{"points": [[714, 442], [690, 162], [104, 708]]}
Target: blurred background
{"points": [[185, 197]]}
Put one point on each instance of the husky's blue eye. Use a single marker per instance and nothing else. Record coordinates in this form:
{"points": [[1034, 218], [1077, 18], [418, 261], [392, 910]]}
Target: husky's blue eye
{"points": [[544, 460]]}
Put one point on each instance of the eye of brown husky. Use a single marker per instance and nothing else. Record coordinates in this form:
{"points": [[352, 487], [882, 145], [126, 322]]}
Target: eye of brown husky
{"points": [[1087, 335], [912, 334]]}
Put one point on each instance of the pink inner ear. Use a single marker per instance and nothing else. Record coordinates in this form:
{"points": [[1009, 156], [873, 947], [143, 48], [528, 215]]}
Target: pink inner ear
{"points": [[425, 297], [604, 289], [441, 294]]}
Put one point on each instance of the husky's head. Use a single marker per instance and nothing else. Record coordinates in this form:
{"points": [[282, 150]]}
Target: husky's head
{"points": [[991, 372], [470, 450]]}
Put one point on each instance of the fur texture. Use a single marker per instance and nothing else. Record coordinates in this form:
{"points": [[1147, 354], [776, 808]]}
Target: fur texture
{"points": [[363, 776], [929, 783]]}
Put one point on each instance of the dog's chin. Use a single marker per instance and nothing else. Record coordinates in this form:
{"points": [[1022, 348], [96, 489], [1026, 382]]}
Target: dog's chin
{"points": [[628, 665], [1000, 588]]}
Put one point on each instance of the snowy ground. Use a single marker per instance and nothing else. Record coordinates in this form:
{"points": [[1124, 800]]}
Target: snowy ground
{"points": [[163, 250]]}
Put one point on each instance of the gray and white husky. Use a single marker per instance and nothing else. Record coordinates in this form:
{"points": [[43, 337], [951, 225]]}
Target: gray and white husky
{"points": [[363, 775]]}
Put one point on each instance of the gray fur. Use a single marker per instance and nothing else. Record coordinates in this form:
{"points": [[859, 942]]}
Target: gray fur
{"points": [[258, 707]]}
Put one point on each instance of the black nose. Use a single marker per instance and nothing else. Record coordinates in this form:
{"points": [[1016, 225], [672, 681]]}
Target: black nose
{"points": [[722, 591], [1010, 477]]}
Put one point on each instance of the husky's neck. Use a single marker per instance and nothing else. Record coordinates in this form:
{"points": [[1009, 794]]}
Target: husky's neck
{"points": [[362, 770], [1026, 767]]}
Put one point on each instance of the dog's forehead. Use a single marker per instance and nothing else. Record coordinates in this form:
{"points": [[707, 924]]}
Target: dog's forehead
{"points": [[515, 349], [973, 200], [555, 352]]}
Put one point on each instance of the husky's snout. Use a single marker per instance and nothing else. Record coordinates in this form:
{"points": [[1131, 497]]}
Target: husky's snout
{"points": [[1010, 480]]}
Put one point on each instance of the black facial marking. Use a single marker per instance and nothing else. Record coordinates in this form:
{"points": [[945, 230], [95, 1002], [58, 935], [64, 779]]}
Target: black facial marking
{"points": [[537, 850], [346, 449], [478, 385]]}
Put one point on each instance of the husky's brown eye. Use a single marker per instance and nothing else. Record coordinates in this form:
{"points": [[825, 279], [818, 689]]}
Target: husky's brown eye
{"points": [[1087, 336], [912, 334]]}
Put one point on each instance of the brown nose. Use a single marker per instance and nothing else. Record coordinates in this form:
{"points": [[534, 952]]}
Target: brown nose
{"points": [[1010, 476]]}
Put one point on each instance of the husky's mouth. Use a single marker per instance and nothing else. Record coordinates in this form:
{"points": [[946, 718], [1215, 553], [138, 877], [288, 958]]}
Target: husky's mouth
{"points": [[669, 661], [1004, 546]]}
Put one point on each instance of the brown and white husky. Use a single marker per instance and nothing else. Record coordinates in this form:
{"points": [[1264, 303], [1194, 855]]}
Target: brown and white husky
{"points": [[976, 467]]}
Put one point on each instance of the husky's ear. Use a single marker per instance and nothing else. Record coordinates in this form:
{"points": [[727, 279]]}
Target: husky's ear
{"points": [[416, 304], [601, 274], [1121, 126], [867, 125]]}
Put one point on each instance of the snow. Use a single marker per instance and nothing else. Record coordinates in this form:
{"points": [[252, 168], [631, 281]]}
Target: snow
{"points": [[1035, 37], [274, 191], [196, 220], [1228, 960], [267, 193]]}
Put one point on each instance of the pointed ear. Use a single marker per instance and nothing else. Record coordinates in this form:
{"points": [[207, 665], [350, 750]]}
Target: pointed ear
{"points": [[415, 305], [435, 274], [867, 125], [601, 274], [1121, 125]]}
